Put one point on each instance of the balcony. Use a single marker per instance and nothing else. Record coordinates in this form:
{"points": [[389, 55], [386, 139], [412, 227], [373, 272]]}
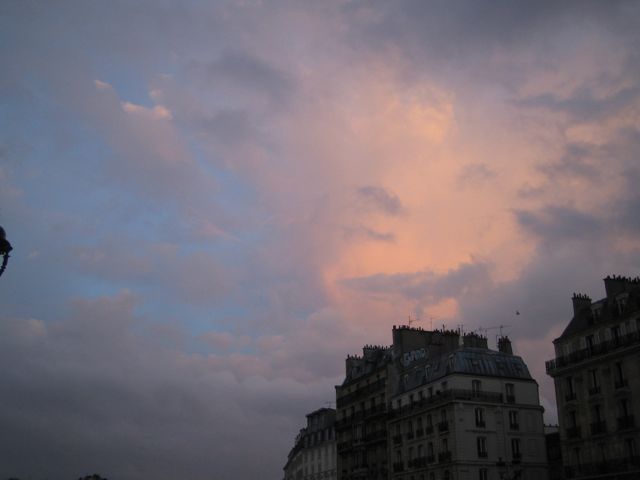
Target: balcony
{"points": [[376, 436], [429, 429], [448, 396], [419, 433], [398, 467], [574, 432], [344, 446], [594, 391], [611, 467], [397, 439], [431, 458], [361, 392], [482, 454], [621, 383], [626, 422], [511, 399], [480, 424], [443, 427], [444, 457], [517, 457], [598, 428], [593, 351], [514, 426], [418, 462], [410, 435]]}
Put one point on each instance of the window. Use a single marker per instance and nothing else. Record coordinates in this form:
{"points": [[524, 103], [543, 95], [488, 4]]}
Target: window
{"points": [[597, 413], [479, 412], [624, 407], [615, 334], [620, 379], [511, 392], [630, 447], [577, 456], [515, 448], [475, 387], [420, 451], [430, 449], [410, 454], [483, 474], [570, 392], [443, 415], [594, 386], [429, 421], [514, 424], [445, 445], [481, 443]]}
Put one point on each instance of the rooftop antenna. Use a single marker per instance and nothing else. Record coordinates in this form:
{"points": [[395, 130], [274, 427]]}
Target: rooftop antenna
{"points": [[413, 320]]}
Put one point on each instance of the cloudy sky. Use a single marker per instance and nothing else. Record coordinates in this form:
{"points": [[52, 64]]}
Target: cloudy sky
{"points": [[212, 203]]}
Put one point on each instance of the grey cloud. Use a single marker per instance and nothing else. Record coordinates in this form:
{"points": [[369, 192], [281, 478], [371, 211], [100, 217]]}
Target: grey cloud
{"points": [[370, 234], [426, 285], [239, 68], [476, 173], [90, 394], [583, 104], [577, 161], [381, 199], [557, 223], [440, 30]]}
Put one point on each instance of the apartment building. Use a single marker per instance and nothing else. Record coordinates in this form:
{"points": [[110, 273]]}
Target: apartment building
{"points": [[597, 386], [361, 418], [460, 411], [313, 456]]}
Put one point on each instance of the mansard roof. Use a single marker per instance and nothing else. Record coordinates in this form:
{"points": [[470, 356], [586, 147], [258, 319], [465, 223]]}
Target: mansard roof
{"points": [[468, 361]]}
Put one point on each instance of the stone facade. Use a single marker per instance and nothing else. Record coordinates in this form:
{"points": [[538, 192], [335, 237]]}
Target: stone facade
{"points": [[439, 405], [361, 422], [597, 385], [313, 456], [460, 411]]}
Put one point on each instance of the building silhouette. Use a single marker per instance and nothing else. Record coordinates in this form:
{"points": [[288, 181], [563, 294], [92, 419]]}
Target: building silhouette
{"points": [[361, 417], [313, 455], [597, 386]]}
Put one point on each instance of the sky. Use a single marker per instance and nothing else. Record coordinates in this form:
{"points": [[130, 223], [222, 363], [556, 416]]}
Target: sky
{"points": [[212, 203]]}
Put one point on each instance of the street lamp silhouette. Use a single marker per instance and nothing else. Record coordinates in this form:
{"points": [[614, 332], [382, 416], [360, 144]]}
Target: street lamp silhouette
{"points": [[5, 248]]}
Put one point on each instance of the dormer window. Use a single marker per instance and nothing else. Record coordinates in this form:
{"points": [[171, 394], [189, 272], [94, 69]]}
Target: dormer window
{"points": [[621, 301]]}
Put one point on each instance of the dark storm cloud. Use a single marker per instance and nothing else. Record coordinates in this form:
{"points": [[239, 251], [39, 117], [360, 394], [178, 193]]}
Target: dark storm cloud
{"points": [[424, 286]]}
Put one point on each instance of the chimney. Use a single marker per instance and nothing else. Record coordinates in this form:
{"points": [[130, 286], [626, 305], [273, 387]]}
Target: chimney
{"points": [[616, 284], [504, 345], [580, 302]]}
